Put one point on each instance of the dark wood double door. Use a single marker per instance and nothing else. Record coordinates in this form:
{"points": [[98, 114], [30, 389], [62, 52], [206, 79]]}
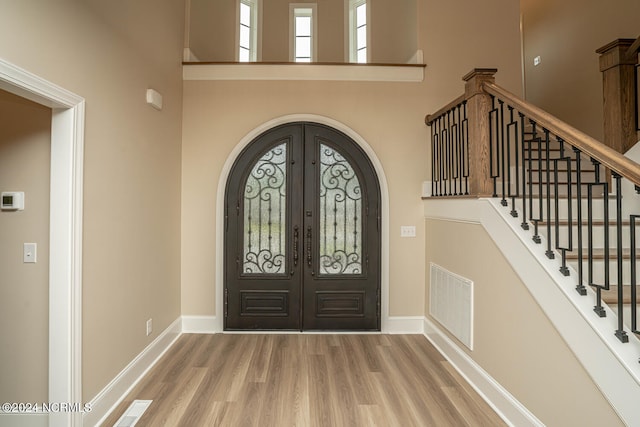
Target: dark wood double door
{"points": [[302, 233]]}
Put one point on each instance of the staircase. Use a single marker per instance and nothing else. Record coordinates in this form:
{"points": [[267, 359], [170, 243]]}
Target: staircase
{"points": [[589, 246], [575, 197]]}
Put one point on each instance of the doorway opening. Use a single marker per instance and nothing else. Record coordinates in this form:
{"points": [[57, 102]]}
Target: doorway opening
{"points": [[65, 236]]}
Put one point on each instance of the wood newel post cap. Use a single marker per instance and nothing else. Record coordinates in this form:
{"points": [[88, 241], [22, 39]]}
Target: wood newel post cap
{"points": [[617, 53], [476, 78]]}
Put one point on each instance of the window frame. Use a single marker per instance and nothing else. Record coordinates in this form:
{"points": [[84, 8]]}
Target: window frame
{"points": [[294, 12], [352, 30], [255, 29]]}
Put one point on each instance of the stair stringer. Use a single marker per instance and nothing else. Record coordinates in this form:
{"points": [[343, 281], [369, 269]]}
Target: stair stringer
{"points": [[612, 365]]}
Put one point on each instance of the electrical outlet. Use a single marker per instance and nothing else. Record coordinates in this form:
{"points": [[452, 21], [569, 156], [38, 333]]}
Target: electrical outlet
{"points": [[149, 326], [408, 231], [536, 61]]}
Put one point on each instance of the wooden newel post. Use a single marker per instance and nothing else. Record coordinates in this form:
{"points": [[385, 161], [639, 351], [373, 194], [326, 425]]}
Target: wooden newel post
{"points": [[617, 65], [478, 108]]}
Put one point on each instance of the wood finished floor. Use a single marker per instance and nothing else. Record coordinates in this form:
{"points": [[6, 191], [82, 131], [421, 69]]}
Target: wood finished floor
{"points": [[306, 380]]}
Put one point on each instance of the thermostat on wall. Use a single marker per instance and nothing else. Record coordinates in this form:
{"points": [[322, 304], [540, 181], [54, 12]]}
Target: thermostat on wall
{"points": [[12, 200]]}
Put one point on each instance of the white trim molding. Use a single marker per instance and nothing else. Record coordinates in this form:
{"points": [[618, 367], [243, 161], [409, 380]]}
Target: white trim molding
{"points": [[222, 183], [506, 406], [405, 325], [65, 223], [111, 396], [200, 325], [409, 73]]}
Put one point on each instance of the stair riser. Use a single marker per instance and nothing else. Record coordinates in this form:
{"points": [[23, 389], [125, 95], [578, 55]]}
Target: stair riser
{"points": [[598, 271], [598, 208], [597, 236]]}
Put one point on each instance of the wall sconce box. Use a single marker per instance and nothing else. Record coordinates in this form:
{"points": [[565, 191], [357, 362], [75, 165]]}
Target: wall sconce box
{"points": [[154, 99]]}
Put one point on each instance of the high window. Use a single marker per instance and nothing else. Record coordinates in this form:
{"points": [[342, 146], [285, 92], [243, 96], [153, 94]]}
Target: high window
{"points": [[248, 31], [358, 31], [303, 32]]}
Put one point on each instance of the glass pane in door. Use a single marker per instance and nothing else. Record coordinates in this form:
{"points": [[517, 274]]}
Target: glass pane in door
{"points": [[340, 215], [265, 214]]}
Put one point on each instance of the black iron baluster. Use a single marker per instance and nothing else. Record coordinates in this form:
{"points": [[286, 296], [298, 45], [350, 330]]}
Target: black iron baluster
{"points": [[598, 309], [492, 141], [620, 333], [569, 247], [434, 156], [447, 156], [536, 237], [460, 160], [465, 147], [501, 154], [524, 224], [514, 188], [634, 301], [580, 288], [549, 253]]}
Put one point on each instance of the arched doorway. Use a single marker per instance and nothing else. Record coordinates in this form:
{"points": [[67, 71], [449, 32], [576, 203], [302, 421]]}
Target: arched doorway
{"points": [[302, 233]]}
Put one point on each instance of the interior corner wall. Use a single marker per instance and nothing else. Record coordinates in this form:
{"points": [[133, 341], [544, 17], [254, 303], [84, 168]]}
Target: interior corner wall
{"points": [[514, 341], [25, 156], [110, 53], [565, 35]]}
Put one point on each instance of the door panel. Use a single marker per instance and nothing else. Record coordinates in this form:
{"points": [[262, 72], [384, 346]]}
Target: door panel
{"points": [[263, 200], [341, 203], [302, 233]]}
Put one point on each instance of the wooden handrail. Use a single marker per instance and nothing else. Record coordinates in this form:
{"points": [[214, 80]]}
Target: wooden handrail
{"points": [[633, 49], [607, 156], [431, 117]]}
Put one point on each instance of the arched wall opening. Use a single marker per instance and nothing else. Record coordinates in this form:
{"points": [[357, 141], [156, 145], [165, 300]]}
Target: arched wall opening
{"points": [[224, 176]]}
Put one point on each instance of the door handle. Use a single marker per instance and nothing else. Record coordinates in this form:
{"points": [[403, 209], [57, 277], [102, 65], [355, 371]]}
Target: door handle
{"points": [[309, 254], [296, 237]]}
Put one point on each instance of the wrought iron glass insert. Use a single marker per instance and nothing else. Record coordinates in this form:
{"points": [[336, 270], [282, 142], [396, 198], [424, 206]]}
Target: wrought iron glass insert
{"points": [[265, 214], [340, 215]]}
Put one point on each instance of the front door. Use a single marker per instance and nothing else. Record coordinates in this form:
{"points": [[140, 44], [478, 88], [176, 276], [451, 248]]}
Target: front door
{"points": [[302, 233]]}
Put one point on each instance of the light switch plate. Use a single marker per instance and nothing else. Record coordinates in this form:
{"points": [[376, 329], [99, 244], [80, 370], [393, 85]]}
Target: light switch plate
{"points": [[30, 252]]}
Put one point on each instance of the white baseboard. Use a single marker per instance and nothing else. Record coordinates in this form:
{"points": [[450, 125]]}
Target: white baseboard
{"points": [[393, 325], [508, 407], [200, 325], [404, 325], [119, 387]]}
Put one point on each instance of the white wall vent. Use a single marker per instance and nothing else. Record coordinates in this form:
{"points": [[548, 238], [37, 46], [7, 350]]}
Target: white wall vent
{"points": [[451, 303], [133, 413]]}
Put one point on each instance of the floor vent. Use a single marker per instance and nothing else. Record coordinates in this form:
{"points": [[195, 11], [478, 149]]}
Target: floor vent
{"points": [[133, 413], [451, 303]]}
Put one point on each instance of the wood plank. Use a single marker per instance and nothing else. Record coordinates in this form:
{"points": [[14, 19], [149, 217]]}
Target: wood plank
{"points": [[306, 380]]}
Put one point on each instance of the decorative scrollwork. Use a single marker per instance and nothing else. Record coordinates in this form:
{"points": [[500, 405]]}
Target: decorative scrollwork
{"points": [[265, 214], [340, 215]]}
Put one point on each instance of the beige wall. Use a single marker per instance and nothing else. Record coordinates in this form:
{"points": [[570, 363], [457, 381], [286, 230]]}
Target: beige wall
{"points": [[212, 33], [393, 31], [565, 34], [110, 53], [210, 37], [514, 340], [389, 116], [25, 152]]}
